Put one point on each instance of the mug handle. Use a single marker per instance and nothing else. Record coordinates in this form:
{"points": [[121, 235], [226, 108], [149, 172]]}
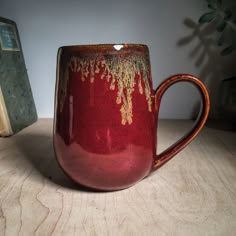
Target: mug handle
{"points": [[170, 152]]}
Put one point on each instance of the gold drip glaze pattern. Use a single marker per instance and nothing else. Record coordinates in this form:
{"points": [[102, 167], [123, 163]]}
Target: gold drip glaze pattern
{"points": [[120, 72]]}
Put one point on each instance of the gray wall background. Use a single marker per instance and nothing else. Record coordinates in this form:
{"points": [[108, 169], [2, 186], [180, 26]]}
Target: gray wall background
{"points": [[46, 25]]}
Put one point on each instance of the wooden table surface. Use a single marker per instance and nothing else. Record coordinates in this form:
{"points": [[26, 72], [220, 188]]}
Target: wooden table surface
{"points": [[193, 194]]}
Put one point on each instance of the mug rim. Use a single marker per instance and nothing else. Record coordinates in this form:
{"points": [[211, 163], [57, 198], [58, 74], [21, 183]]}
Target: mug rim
{"points": [[106, 47]]}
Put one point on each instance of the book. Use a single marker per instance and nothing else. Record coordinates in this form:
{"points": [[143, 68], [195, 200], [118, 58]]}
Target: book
{"points": [[17, 107]]}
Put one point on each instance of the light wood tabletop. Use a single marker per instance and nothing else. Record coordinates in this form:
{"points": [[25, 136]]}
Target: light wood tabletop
{"points": [[193, 194]]}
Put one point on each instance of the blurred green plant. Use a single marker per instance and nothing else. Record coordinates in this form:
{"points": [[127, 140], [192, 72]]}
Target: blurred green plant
{"points": [[221, 15]]}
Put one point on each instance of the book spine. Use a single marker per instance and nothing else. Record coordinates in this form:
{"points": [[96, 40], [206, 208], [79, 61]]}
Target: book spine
{"points": [[5, 126]]}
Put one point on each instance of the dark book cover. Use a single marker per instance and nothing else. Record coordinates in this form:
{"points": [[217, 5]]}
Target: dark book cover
{"points": [[17, 107]]}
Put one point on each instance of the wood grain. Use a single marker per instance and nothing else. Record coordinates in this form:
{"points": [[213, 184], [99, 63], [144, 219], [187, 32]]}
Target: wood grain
{"points": [[193, 194]]}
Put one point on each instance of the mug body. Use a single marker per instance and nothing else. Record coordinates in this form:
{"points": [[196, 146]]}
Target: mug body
{"points": [[104, 123]]}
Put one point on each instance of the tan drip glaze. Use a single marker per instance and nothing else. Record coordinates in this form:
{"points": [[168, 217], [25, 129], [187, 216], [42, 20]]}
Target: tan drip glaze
{"points": [[120, 71]]}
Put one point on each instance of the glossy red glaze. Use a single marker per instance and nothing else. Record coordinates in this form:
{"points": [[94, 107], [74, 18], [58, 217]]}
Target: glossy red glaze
{"points": [[106, 112]]}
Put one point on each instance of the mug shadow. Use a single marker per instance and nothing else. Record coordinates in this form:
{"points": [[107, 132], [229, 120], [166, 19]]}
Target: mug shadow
{"points": [[39, 152]]}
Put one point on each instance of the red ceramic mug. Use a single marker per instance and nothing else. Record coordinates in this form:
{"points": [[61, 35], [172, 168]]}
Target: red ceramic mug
{"points": [[106, 112]]}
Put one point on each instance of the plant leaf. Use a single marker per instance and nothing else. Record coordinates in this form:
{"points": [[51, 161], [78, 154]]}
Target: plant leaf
{"points": [[227, 50], [211, 7], [212, 3], [234, 39], [221, 26], [221, 39], [227, 14], [231, 4], [207, 17], [219, 2]]}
